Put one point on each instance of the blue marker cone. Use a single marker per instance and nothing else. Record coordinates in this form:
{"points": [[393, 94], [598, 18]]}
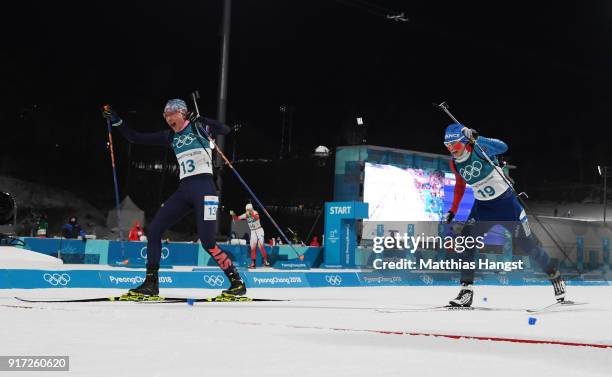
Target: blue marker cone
{"points": [[532, 320]]}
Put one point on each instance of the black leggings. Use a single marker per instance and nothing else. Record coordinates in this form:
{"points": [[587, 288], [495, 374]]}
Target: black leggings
{"points": [[196, 193]]}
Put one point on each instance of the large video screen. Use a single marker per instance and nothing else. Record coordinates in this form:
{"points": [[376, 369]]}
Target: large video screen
{"points": [[407, 194]]}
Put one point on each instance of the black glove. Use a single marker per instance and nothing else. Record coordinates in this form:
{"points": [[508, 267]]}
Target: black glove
{"points": [[450, 215], [111, 115]]}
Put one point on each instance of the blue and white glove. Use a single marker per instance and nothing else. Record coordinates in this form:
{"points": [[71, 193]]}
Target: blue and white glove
{"points": [[470, 133], [111, 115]]}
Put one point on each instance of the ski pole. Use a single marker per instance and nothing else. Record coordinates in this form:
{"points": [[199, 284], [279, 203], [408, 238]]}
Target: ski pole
{"points": [[444, 107], [313, 225], [112, 155], [246, 186]]}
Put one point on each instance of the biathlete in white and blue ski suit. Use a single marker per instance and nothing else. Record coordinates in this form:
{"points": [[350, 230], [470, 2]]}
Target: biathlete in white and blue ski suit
{"points": [[196, 191], [495, 203]]}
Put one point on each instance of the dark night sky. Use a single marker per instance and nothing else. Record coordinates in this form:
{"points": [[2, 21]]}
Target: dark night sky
{"points": [[535, 75]]}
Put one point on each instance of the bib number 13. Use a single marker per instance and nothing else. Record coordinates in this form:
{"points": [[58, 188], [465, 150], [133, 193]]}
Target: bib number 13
{"points": [[187, 166], [487, 191], [211, 203]]}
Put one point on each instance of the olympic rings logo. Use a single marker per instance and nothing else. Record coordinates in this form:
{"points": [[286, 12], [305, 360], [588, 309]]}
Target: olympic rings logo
{"points": [[214, 280], [57, 279], [333, 279], [471, 171], [165, 253], [427, 279], [183, 140]]}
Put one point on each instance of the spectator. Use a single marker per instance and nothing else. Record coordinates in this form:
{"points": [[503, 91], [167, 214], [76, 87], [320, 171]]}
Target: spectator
{"points": [[556, 212], [315, 242], [136, 233], [41, 226], [569, 213], [72, 229]]}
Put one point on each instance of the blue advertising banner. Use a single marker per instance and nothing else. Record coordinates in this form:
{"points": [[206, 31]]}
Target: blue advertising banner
{"points": [[4, 279], [53, 279], [239, 254], [377, 279], [55, 246], [130, 279], [216, 280], [333, 279], [172, 254], [276, 280]]}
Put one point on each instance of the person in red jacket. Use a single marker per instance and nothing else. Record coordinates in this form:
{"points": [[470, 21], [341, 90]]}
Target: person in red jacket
{"points": [[136, 232], [315, 242]]}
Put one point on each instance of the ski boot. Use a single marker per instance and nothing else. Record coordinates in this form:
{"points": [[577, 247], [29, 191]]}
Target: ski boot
{"points": [[253, 264], [149, 288], [237, 287], [464, 298], [558, 284]]}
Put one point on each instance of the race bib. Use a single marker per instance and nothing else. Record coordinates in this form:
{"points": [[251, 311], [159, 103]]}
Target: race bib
{"points": [[253, 224], [211, 203], [491, 187], [194, 161]]}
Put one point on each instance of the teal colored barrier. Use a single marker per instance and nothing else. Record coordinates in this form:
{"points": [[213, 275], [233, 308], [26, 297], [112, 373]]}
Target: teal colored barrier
{"points": [[134, 254]]}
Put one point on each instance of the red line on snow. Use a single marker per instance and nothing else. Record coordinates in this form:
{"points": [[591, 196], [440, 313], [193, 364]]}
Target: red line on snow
{"points": [[435, 335], [494, 339]]}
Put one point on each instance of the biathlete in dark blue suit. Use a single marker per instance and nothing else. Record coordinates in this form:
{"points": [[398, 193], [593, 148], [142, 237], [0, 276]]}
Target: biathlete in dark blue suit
{"points": [[495, 203], [196, 191]]}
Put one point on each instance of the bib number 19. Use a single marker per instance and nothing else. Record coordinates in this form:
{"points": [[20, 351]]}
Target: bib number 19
{"points": [[488, 191]]}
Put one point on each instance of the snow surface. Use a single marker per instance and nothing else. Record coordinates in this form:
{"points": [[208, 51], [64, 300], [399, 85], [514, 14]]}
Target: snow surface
{"points": [[12, 257], [297, 338]]}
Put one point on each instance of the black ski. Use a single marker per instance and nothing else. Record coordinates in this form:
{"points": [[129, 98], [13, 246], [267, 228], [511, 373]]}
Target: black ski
{"points": [[444, 308], [555, 306], [16, 306], [154, 299], [481, 308], [95, 299]]}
